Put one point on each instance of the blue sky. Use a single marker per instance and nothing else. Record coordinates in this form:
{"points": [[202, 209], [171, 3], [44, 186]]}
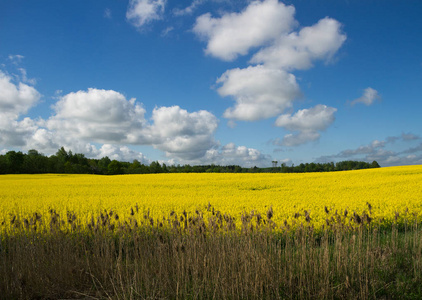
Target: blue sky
{"points": [[213, 81]]}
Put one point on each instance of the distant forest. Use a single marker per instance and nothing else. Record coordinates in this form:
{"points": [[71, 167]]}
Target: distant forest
{"points": [[64, 161]]}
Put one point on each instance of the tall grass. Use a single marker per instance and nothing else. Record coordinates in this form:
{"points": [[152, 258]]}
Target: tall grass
{"points": [[186, 257]]}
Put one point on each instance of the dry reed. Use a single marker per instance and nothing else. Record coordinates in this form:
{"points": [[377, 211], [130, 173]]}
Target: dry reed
{"points": [[184, 256]]}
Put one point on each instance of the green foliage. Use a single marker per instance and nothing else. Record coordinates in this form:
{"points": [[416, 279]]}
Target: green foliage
{"points": [[114, 168], [67, 162]]}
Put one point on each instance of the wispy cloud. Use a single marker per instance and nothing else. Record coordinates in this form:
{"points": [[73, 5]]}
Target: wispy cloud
{"points": [[16, 59], [368, 98], [378, 150], [24, 77], [166, 31], [107, 13], [189, 9], [142, 12]]}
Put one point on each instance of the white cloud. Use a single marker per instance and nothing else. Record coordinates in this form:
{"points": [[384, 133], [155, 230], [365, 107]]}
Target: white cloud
{"points": [[298, 50], [18, 98], [45, 141], [48, 142], [316, 118], [307, 122], [15, 100], [106, 116], [235, 33], [182, 134], [188, 10], [259, 92], [185, 137], [14, 132], [142, 12], [121, 153], [231, 154], [98, 116], [266, 88], [368, 98]]}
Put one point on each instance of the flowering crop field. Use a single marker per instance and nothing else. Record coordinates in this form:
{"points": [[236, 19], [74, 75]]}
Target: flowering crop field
{"points": [[384, 194]]}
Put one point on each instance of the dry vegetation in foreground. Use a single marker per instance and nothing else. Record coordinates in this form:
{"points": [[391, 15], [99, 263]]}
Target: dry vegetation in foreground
{"points": [[193, 258]]}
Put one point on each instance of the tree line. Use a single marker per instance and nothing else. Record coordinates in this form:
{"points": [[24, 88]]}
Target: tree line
{"points": [[63, 161]]}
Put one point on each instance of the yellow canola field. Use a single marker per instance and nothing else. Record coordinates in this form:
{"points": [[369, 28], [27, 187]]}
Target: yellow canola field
{"points": [[387, 190]]}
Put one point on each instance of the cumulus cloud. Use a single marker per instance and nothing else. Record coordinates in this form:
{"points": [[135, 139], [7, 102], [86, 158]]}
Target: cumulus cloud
{"points": [[107, 117], [298, 50], [14, 132], [45, 141], [368, 98], [98, 116], [231, 154], [142, 12], [316, 118], [121, 153], [234, 34], [259, 92], [307, 122], [86, 118], [16, 99], [267, 87], [48, 142], [182, 134]]}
